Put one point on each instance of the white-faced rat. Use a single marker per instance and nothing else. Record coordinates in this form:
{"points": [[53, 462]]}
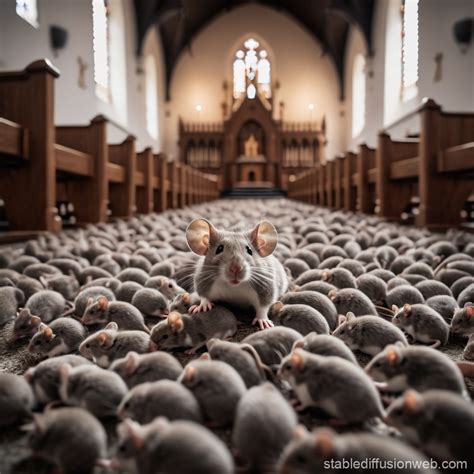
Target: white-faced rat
{"points": [[70, 438], [422, 323], [463, 321], [110, 344], [25, 325], [125, 315], [137, 368], [88, 296], [368, 334], [325, 381], [439, 421], [183, 301], [168, 398], [61, 336], [16, 399], [217, 387], [98, 390], [184, 330], [264, 424], [301, 317], [237, 268]]}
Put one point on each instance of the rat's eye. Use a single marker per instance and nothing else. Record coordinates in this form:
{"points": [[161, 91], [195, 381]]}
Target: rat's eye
{"points": [[165, 336], [288, 367], [219, 249], [37, 342], [170, 285], [249, 250]]}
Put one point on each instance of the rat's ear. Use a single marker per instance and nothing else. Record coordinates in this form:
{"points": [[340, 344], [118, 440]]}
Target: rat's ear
{"points": [[395, 308], [102, 303], [297, 360], [350, 316], [104, 339], [175, 321], [411, 401], [407, 309], [299, 344], [205, 356], [324, 443], [210, 343], [112, 326], [199, 235], [332, 294], [325, 275], [341, 319], [469, 311], [47, 332], [264, 238], [39, 423], [299, 432], [132, 361], [189, 373], [392, 354], [186, 298], [132, 430], [35, 320], [276, 307]]}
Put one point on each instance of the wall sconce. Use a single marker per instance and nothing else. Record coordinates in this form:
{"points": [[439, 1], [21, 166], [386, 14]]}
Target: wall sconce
{"points": [[58, 37], [463, 33], [310, 107], [198, 108]]}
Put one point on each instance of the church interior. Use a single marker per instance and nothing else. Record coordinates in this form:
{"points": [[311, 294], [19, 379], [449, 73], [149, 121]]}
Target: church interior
{"points": [[236, 236]]}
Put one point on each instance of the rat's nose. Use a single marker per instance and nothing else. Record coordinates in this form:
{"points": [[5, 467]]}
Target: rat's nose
{"points": [[235, 268]]}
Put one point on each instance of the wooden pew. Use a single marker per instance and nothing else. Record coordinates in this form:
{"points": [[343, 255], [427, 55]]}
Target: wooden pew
{"points": [[320, 179], [161, 182], [173, 189], [349, 184], [338, 180], [81, 156], [366, 179], [144, 181], [329, 183], [28, 136], [397, 175], [121, 178]]}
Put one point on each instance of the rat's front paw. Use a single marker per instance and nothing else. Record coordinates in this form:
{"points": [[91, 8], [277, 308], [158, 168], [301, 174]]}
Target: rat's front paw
{"points": [[263, 323], [204, 306]]}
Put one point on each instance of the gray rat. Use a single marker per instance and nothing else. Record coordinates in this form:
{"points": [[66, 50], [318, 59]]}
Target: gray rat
{"points": [[373, 287], [88, 296], [37, 270], [237, 268], [67, 285], [168, 287], [25, 325], [274, 344], [70, 438], [444, 305], [47, 304], [463, 321], [217, 387], [316, 300], [318, 451], [325, 345], [417, 367], [296, 266], [368, 334], [301, 317], [264, 424], [10, 299], [325, 381], [339, 277], [181, 446], [137, 368], [110, 344], [125, 315], [165, 268], [151, 303], [184, 330], [458, 286], [429, 288], [422, 323], [439, 421], [320, 286], [61, 336], [29, 286], [352, 300], [466, 295], [308, 276], [16, 399], [98, 390], [243, 358], [133, 274], [468, 352], [44, 378], [126, 291], [183, 301], [168, 398]]}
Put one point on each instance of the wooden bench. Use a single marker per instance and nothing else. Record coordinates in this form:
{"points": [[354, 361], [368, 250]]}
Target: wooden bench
{"points": [[365, 179], [28, 137], [144, 181]]}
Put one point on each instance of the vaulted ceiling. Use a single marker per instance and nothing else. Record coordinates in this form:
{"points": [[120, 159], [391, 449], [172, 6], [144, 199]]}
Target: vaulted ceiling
{"points": [[179, 21]]}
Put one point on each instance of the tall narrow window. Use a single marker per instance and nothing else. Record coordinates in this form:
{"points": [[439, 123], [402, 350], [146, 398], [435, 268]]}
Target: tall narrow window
{"points": [[358, 95], [251, 71], [101, 48], [409, 43], [28, 10], [151, 97]]}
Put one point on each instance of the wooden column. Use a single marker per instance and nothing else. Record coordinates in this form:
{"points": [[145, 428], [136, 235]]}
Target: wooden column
{"points": [[173, 184], [144, 175], [350, 193], [363, 195], [29, 192], [161, 201]]}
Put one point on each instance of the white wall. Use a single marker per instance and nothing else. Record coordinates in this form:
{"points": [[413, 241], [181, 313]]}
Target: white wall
{"points": [[21, 44], [305, 75]]}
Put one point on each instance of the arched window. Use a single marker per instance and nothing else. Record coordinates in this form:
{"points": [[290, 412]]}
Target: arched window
{"points": [[151, 97], [28, 10], [409, 43], [358, 95], [251, 71], [100, 21]]}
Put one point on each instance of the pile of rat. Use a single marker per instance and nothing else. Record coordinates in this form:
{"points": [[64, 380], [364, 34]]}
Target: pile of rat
{"points": [[253, 336]]}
